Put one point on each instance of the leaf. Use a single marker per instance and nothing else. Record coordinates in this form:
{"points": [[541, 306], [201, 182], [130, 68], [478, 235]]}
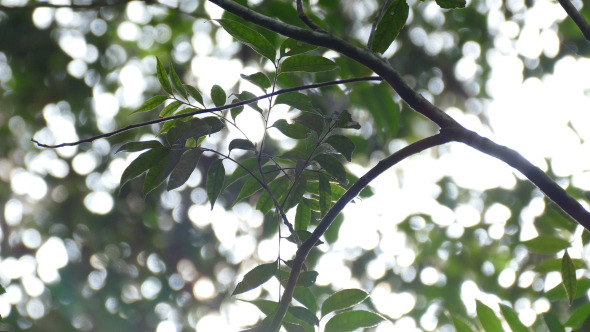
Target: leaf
{"points": [[242, 144], [393, 20], [554, 264], [177, 83], [512, 319], [278, 188], [296, 193], [305, 297], [304, 314], [352, 320], [215, 178], [236, 110], [296, 100], [194, 93], [558, 292], [302, 216], [185, 167], [150, 104], [163, 76], [460, 325], [307, 63], [568, 276], [268, 308], [160, 171], [344, 120], [256, 277], [292, 47], [307, 278], [142, 163], [249, 37], [325, 191], [343, 299], [332, 165], [139, 146], [302, 236], [342, 144], [312, 121], [295, 130], [252, 185], [451, 4], [579, 316], [546, 244], [170, 109], [258, 79], [246, 95], [251, 164], [553, 323], [487, 317], [218, 95]]}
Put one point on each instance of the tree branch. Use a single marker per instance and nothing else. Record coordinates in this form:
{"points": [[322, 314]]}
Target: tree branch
{"points": [[90, 6], [350, 194], [208, 110], [577, 17], [305, 19]]}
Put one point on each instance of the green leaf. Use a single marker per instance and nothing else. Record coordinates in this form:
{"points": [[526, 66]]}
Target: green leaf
{"points": [[302, 215], [307, 63], [163, 76], [170, 109], [344, 120], [177, 83], [332, 165], [185, 167], [512, 319], [256, 277], [294, 130], [258, 79], [292, 47], [312, 121], [150, 104], [252, 185], [218, 95], [160, 171], [568, 276], [342, 144], [246, 95], [302, 236], [142, 163], [307, 278], [242, 144], [487, 317], [554, 264], [393, 20], [296, 193], [553, 323], [194, 93], [236, 110], [278, 188], [194, 128], [296, 100], [305, 297], [215, 178], [343, 299], [558, 292], [460, 325], [352, 320], [451, 4], [139, 146], [579, 316], [325, 191], [304, 314], [251, 164], [546, 244], [249, 37], [268, 308]]}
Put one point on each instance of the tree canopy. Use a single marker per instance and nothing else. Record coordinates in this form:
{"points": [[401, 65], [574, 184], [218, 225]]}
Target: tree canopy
{"points": [[296, 165]]}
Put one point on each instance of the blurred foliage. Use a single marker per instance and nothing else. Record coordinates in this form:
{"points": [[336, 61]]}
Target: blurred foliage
{"points": [[153, 259]]}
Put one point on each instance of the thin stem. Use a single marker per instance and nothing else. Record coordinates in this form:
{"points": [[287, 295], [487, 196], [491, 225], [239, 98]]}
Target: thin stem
{"points": [[305, 19], [375, 22], [577, 17], [208, 110]]}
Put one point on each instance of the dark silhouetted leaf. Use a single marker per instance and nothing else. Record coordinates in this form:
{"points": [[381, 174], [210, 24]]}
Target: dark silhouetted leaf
{"points": [[139, 146], [215, 178], [258, 79], [352, 320], [299, 188], [236, 110], [278, 188], [295, 130], [312, 121], [393, 20], [342, 144], [184, 168], [307, 63], [305, 315], [252, 185], [250, 38], [332, 165], [343, 299], [142, 163], [451, 4], [296, 100], [246, 95], [160, 171], [302, 215], [218, 95], [242, 144], [256, 277], [325, 191], [344, 120]]}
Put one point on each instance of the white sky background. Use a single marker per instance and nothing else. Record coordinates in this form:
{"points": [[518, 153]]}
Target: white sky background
{"points": [[539, 117]]}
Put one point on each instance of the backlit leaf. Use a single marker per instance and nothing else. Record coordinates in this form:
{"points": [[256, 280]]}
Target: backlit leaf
{"points": [[512, 319], [393, 20], [343, 299], [307, 63], [256, 277], [150, 104], [215, 179], [553, 323], [258, 79], [242, 144], [177, 83], [194, 93], [142, 163], [160, 171], [249, 37], [460, 325], [305, 297], [163, 76], [304, 314], [546, 244], [554, 264], [487, 317], [218, 95], [558, 292], [579, 316], [568, 276], [236, 110], [184, 168], [170, 109], [278, 188], [352, 320]]}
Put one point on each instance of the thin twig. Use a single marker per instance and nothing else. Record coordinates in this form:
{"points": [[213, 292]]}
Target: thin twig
{"points": [[209, 110], [90, 6], [577, 17], [305, 19]]}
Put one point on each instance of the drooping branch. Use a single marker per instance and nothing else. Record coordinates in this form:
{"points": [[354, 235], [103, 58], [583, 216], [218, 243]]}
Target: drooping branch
{"points": [[208, 110], [577, 17]]}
